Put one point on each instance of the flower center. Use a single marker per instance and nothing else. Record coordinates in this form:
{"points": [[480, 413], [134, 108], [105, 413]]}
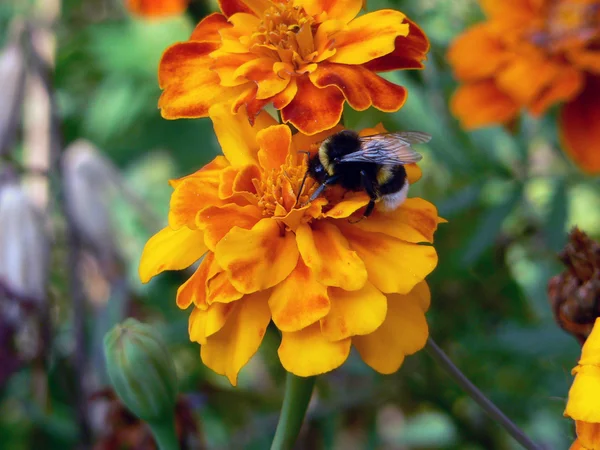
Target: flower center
{"points": [[569, 24], [285, 34], [278, 189]]}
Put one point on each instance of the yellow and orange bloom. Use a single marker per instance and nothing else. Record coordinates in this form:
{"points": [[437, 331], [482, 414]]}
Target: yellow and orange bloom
{"points": [[156, 8], [326, 283], [583, 405], [306, 57], [533, 54]]}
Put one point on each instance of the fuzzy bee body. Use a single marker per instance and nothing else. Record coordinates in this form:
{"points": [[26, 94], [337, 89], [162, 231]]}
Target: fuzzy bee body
{"points": [[374, 164]]}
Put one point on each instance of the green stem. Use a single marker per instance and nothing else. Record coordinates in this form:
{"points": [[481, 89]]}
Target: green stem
{"points": [[492, 410], [164, 434], [298, 391]]}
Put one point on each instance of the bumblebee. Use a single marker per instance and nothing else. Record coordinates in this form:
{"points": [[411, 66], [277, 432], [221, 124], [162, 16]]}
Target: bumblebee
{"points": [[374, 164]]}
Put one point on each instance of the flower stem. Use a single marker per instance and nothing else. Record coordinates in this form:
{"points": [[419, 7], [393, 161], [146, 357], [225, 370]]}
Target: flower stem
{"points": [[164, 434], [492, 410], [297, 394]]}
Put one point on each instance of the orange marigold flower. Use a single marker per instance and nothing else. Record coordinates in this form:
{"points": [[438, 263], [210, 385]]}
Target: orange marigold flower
{"points": [[584, 397], [326, 283], [532, 55], [306, 57], [156, 8]]}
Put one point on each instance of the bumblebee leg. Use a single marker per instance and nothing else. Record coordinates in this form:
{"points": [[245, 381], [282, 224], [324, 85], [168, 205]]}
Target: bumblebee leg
{"points": [[322, 187], [370, 190]]}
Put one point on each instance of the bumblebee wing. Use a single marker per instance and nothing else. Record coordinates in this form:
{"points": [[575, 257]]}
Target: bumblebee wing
{"points": [[388, 148]]}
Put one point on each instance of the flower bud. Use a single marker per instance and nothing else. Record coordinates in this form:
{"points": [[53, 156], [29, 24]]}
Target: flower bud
{"points": [[141, 370]]}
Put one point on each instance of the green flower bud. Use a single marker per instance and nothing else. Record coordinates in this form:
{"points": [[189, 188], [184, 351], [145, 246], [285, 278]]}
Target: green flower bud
{"points": [[141, 370]]}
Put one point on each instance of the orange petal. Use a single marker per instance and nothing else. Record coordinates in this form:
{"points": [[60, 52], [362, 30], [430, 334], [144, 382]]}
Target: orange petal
{"points": [[413, 173], [208, 28], [394, 266], [351, 203], [361, 87], [217, 317], [189, 86], [326, 251], [226, 67], [369, 36], [566, 85], [512, 12], [299, 300], [577, 446], [194, 289], [197, 325], [216, 221], [580, 127], [211, 171], [344, 10], [228, 350], [414, 221], [192, 195], [516, 81], [354, 312], [403, 332], [482, 103], [171, 250], [236, 136], [409, 52], [220, 290], [274, 143], [284, 98], [585, 59], [156, 8], [256, 7], [260, 70], [306, 352], [259, 258], [588, 434], [465, 53], [313, 109]]}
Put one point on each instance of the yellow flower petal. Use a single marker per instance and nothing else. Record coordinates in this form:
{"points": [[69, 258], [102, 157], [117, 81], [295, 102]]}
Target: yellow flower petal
{"points": [[259, 258], [403, 332], [194, 289], [171, 250], [351, 203], [217, 317], [192, 195], [228, 350], [584, 395], [306, 352], [344, 10], [590, 352], [354, 312], [217, 221], [299, 300], [326, 251], [220, 290], [197, 325], [274, 143]]}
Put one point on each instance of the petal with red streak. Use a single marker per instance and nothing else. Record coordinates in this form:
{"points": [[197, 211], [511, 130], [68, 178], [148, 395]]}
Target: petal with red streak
{"points": [[258, 258], [229, 349], [171, 250], [313, 109], [403, 332], [155, 9], [326, 251], [299, 300], [208, 28], [361, 87], [306, 352], [256, 7], [354, 312]]}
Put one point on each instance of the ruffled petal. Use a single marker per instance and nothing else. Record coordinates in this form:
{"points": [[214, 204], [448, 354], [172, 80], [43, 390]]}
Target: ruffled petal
{"points": [[190, 88], [235, 134], [369, 36], [229, 349], [403, 332], [516, 81], [482, 103], [212, 170], [256, 7], [566, 85], [588, 434], [512, 12], [361, 87], [298, 301], [217, 221], [348, 206], [306, 352], [194, 289], [197, 325], [343, 10], [226, 67], [313, 109], [217, 317], [590, 352], [171, 250], [285, 97], [258, 258], [394, 266], [354, 312], [579, 125], [584, 395], [260, 71], [414, 221], [409, 52], [465, 53], [220, 290], [208, 28], [326, 251], [192, 195], [274, 143]]}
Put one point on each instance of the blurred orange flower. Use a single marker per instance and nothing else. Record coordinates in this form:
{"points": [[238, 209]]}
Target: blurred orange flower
{"points": [[156, 8], [306, 57], [327, 284], [583, 405], [533, 54]]}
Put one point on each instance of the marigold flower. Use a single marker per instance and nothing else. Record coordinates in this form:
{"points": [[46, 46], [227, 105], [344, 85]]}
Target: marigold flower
{"points": [[533, 55], [306, 57], [584, 397], [326, 283], [156, 8]]}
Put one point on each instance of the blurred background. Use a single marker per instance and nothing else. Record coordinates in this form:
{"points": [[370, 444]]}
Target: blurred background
{"points": [[84, 162]]}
